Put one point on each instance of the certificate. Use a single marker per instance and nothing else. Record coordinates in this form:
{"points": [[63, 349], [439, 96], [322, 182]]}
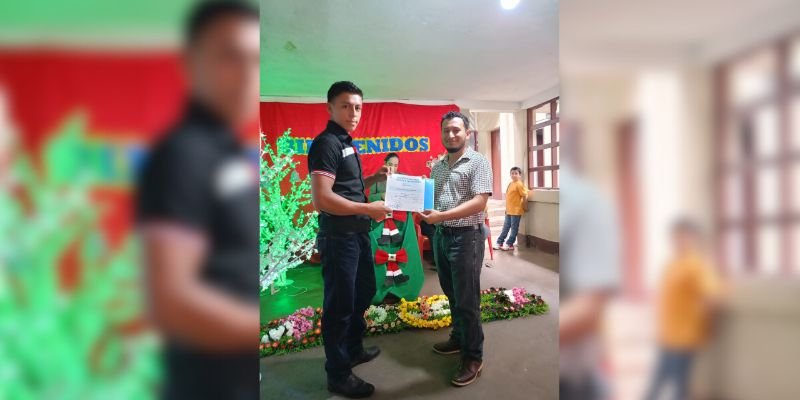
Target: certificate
{"points": [[409, 193]]}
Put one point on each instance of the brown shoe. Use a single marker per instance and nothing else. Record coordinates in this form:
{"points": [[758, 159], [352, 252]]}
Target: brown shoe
{"points": [[448, 347], [469, 372]]}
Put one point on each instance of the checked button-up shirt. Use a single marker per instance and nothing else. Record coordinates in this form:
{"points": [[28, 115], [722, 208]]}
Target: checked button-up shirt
{"points": [[470, 175]]}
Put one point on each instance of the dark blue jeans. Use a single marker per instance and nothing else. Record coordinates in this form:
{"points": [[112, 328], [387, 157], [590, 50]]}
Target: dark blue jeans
{"points": [[459, 258], [673, 367], [348, 272], [510, 224]]}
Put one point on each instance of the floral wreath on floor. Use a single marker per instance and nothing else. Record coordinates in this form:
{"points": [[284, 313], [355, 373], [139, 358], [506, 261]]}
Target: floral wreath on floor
{"points": [[427, 312], [383, 319], [303, 328]]}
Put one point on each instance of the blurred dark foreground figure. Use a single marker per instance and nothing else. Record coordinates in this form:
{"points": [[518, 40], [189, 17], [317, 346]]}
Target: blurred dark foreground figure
{"points": [[197, 208]]}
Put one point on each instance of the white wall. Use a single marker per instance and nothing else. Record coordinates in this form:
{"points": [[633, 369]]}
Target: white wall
{"points": [[662, 122], [675, 158], [485, 123], [542, 218], [512, 145]]}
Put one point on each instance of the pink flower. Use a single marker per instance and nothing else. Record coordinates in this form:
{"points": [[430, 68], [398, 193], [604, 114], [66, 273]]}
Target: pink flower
{"points": [[306, 312], [520, 296], [300, 323]]}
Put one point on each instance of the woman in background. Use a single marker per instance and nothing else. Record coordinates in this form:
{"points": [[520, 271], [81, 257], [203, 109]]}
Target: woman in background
{"points": [[378, 190]]}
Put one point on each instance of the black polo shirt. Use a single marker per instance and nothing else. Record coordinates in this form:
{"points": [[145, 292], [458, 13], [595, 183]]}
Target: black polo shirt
{"points": [[199, 176], [332, 154]]}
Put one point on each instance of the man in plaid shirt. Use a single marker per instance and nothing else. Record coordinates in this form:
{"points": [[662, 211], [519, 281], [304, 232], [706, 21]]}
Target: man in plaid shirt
{"points": [[463, 184]]}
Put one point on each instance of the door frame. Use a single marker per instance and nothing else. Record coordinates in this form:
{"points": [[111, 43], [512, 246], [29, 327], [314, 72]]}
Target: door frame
{"points": [[494, 140]]}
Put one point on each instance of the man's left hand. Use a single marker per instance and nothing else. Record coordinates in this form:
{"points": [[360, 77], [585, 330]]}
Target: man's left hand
{"points": [[432, 216]]}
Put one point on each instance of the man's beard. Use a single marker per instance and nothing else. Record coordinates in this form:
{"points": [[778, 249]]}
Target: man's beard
{"points": [[455, 149]]}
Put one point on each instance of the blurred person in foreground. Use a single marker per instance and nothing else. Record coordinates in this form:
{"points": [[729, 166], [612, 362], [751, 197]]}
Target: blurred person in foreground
{"points": [[348, 269], [197, 208], [590, 275], [688, 297], [7, 141]]}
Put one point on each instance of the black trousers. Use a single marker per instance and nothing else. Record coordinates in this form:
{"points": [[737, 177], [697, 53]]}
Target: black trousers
{"points": [[348, 272], [459, 257]]}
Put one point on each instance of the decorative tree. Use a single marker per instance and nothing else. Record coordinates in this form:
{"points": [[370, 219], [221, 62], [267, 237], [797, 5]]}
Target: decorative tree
{"points": [[58, 342], [287, 229]]}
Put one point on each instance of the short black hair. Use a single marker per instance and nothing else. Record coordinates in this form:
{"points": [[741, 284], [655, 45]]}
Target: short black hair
{"points": [[343, 87], [206, 12], [455, 114], [390, 155], [518, 169]]}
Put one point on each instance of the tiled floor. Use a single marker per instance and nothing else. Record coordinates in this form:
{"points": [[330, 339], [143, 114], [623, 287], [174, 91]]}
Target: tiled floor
{"points": [[521, 355], [630, 336]]}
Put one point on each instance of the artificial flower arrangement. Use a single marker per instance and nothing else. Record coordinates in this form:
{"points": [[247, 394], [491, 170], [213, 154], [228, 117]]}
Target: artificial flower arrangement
{"points": [[303, 328], [502, 303], [383, 319], [427, 312], [300, 330]]}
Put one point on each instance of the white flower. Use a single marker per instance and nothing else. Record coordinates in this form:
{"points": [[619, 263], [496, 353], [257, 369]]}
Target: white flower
{"points": [[265, 339], [438, 305], [289, 328], [441, 313], [510, 294], [275, 334], [377, 314]]}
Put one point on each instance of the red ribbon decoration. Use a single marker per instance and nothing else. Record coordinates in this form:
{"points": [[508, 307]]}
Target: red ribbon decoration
{"points": [[391, 260], [389, 226], [399, 216]]}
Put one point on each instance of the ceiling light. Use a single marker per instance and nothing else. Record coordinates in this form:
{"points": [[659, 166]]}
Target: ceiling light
{"points": [[509, 4]]}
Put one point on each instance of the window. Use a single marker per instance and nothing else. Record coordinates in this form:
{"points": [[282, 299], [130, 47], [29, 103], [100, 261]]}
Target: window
{"points": [[757, 160], [543, 140]]}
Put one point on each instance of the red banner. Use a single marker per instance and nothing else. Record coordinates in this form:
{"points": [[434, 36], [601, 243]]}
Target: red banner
{"points": [[125, 100], [412, 131]]}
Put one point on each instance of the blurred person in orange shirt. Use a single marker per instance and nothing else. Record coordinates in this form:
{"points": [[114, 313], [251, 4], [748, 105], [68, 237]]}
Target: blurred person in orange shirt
{"points": [[197, 210], [516, 205], [689, 294]]}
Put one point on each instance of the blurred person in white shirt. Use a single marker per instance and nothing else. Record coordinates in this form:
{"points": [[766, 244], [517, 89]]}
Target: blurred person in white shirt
{"points": [[589, 275]]}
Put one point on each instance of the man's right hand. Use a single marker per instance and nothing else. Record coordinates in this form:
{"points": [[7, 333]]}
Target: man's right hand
{"points": [[377, 210]]}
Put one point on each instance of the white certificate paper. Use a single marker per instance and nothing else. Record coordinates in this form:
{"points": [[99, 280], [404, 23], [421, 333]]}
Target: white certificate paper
{"points": [[405, 193]]}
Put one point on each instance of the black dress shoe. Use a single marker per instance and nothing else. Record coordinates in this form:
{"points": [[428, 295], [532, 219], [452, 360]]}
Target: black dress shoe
{"points": [[367, 355], [448, 347], [468, 373], [352, 387]]}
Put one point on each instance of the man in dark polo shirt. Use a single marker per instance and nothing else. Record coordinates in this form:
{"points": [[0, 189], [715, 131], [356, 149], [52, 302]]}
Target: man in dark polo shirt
{"points": [[197, 206], [348, 270], [463, 184]]}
